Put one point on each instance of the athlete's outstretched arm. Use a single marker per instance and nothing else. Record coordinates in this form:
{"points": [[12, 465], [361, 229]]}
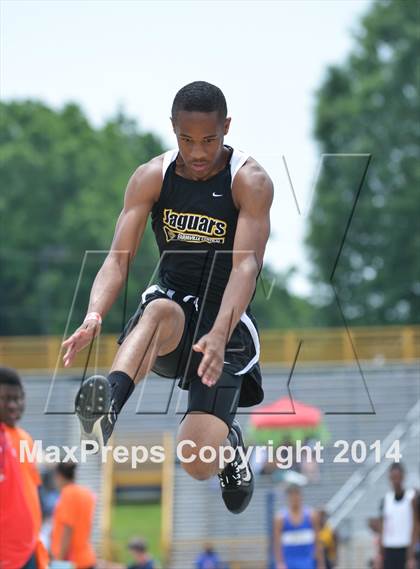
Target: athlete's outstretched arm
{"points": [[253, 192], [141, 193]]}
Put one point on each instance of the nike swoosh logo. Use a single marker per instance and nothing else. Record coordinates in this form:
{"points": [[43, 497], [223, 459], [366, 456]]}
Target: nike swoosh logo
{"points": [[247, 477], [217, 195]]}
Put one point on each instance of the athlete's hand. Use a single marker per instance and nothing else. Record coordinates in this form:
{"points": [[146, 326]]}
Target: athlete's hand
{"points": [[79, 340], [280, 565], [212, 346]]}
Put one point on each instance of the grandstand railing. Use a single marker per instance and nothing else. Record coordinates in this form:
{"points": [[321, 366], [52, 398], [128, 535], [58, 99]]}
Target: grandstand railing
{"points": [[167, 498], [123, 474], [378, 344], [147, 473], [106, 520], [351, 492]]}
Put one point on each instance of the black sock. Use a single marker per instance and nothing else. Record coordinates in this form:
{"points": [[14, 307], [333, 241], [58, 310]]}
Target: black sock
{"points": [[122, 387]]}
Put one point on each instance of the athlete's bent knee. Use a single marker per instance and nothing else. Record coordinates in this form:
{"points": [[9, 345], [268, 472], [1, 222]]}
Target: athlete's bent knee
{"points": [[198, 461], [199, 470], [163, 309]]}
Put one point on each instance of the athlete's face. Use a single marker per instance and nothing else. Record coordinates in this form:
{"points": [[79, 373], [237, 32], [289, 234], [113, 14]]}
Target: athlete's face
{"points": [[12, 404], [396, 477], [59, 481], [295, 499], [200, 141], [322, 518]]}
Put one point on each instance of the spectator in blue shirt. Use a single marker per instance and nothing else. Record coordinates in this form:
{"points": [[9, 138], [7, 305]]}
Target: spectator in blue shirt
{"points": [[209, 559]]}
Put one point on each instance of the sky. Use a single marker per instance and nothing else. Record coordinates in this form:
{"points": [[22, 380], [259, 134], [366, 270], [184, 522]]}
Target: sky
{"points": [[268, 57]]}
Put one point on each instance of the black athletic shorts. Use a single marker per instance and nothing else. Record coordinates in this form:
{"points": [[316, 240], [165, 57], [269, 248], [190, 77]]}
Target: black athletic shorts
{"points": [[395, 557], [240, 383]]}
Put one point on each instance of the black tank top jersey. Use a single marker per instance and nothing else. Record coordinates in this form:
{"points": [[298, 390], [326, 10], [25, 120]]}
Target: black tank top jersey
{"points": [[194, 223]]}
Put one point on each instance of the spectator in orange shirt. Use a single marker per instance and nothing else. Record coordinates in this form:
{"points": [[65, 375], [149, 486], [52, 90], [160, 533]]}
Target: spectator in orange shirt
{"points": [[72, 520], [17, 533], [12, 406]]}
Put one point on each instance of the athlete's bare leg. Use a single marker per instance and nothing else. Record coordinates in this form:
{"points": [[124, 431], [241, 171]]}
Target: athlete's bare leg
{"points": [[204, 430], [157, 333], [236, 478], [99, 400]]}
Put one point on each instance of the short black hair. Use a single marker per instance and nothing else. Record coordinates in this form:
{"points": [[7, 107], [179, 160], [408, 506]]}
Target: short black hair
{"points": [[138, 544], [67, 470], [202, 97], [397, 466], [293, 488], [9, 376]]}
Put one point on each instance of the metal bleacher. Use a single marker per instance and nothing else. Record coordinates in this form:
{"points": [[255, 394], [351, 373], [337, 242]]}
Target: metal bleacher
{"points": [[243, 540], [366, 402], [197, 514]]}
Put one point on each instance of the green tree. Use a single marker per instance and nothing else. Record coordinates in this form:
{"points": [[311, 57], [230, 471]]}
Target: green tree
{"points": [[370, 104], [63, 183], [275, 307]]}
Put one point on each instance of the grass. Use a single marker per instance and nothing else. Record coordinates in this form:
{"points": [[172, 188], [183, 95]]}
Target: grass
{"points": [[135, 520]]}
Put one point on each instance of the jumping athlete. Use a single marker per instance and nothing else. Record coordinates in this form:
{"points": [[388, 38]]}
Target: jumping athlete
{"points": [[209, 206]]}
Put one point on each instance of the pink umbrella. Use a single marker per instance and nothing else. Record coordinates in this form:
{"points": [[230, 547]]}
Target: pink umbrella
{"points": [[285, 413]]}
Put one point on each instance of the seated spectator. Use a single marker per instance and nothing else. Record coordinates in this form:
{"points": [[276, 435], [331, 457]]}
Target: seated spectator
{"points": [[208, 559], [142, 559]]}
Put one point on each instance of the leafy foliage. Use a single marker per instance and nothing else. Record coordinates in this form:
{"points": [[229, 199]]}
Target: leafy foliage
{"points": [[63, 189], [370, 105]]}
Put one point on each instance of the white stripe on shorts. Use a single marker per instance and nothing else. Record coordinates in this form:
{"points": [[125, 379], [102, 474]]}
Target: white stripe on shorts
{"points": [[149, 290], [254, 335]]}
